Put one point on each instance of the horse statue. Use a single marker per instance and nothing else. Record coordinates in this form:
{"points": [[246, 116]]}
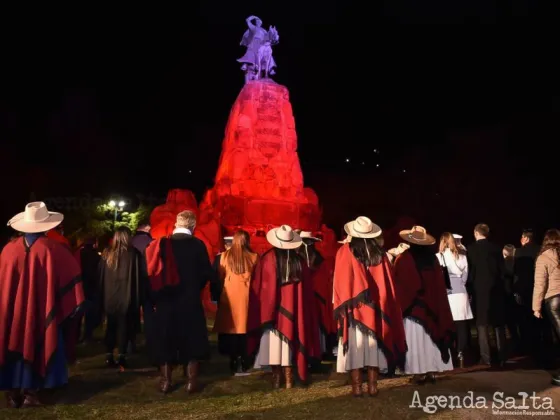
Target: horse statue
{"points": [[258, 57], [265, 62]]}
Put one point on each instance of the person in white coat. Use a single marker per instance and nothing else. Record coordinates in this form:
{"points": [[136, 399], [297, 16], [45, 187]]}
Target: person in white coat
{"points": [[453, 257]]}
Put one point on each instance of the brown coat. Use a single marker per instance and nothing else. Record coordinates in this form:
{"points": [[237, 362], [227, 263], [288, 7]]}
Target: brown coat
{"points": [[547, 278], [231, 317]]}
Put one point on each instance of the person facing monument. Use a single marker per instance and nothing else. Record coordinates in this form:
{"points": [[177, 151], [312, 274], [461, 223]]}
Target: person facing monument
{"points": [[178, 270], [41, 295]]}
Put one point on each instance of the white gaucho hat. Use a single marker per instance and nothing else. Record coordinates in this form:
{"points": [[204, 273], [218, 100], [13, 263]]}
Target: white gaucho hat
{"points": [[36, 219], [362, 227], [283, 237]]}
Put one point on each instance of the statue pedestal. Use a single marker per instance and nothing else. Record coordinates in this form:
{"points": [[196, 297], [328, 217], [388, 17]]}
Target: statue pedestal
{"points": [[259, 183]]}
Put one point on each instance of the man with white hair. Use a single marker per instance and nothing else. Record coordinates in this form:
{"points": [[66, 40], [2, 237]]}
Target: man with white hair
{"points": [[178, 269]]}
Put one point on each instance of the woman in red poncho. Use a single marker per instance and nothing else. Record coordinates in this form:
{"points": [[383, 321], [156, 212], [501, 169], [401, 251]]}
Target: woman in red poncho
{"points": [[281, 325], [321, 275], [427, 317], [369, 317]]}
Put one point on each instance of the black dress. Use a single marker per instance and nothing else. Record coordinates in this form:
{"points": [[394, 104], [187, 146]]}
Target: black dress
{"points": [[121, 295]]}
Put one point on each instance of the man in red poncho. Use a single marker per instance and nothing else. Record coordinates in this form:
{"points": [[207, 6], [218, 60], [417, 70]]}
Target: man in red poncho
{"points": [[40, 294], [322, 279], [282, 327]]}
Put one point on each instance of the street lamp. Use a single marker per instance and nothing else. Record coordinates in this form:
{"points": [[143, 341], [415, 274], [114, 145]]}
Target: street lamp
{"points": [[119, 207]]}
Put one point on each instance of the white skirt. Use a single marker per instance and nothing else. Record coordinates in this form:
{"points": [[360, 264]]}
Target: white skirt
{"points": [[422, 356], [460, 306], [273, 351], [362, 352]]}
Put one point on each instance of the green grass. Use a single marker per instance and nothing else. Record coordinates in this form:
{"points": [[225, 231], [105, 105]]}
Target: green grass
{"points": [[95, 392]]}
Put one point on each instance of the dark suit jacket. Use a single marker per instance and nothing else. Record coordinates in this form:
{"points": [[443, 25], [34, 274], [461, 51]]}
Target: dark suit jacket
{"points": [[524, 272], [487, 276]]}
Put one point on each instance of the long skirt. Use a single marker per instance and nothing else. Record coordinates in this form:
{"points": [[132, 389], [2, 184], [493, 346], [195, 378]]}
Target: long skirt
{"points": [[423, 355], [273, 351], [20, 375], [363, 351]]}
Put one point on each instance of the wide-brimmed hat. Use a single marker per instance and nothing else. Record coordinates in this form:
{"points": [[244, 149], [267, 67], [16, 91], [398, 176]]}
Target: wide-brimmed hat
{"points": [[418, 236], [307, 235], [283, 237], [35, 219], [362, 227]]}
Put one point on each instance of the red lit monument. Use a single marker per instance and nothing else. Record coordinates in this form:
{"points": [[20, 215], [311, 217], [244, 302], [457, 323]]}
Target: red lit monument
{"points": [[259, 183]]}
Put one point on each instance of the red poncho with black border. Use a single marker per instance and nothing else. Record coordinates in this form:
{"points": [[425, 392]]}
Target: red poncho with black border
{"points": [[286, 307], [366, 298], [423, 299], [40, 289]]}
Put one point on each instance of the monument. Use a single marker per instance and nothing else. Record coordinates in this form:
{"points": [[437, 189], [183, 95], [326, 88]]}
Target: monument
{"points": [[259, 183]]}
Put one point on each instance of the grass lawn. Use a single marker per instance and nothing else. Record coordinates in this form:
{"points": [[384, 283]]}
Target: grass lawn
{"points": [[95, 392]]}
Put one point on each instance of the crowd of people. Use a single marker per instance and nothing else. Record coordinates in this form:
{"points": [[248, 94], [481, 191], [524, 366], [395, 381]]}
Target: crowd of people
{"points": [[407, 310]]}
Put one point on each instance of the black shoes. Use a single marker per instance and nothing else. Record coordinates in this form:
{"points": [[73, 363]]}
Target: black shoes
{"points": [[239, 366], [233, 365]]}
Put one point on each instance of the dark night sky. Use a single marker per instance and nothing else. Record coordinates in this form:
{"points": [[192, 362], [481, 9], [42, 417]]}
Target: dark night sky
{"points": [[131, 102]]}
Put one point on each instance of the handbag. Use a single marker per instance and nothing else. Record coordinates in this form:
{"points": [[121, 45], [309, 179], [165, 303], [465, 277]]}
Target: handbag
{"points": [[445, 273]]}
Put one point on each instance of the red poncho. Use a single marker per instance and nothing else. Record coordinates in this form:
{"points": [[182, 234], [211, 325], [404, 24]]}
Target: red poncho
{"points": [[57, 236], [285, 308], [366, 298], [323, 286], [423, 299], [40, 287], [162, 269]]}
